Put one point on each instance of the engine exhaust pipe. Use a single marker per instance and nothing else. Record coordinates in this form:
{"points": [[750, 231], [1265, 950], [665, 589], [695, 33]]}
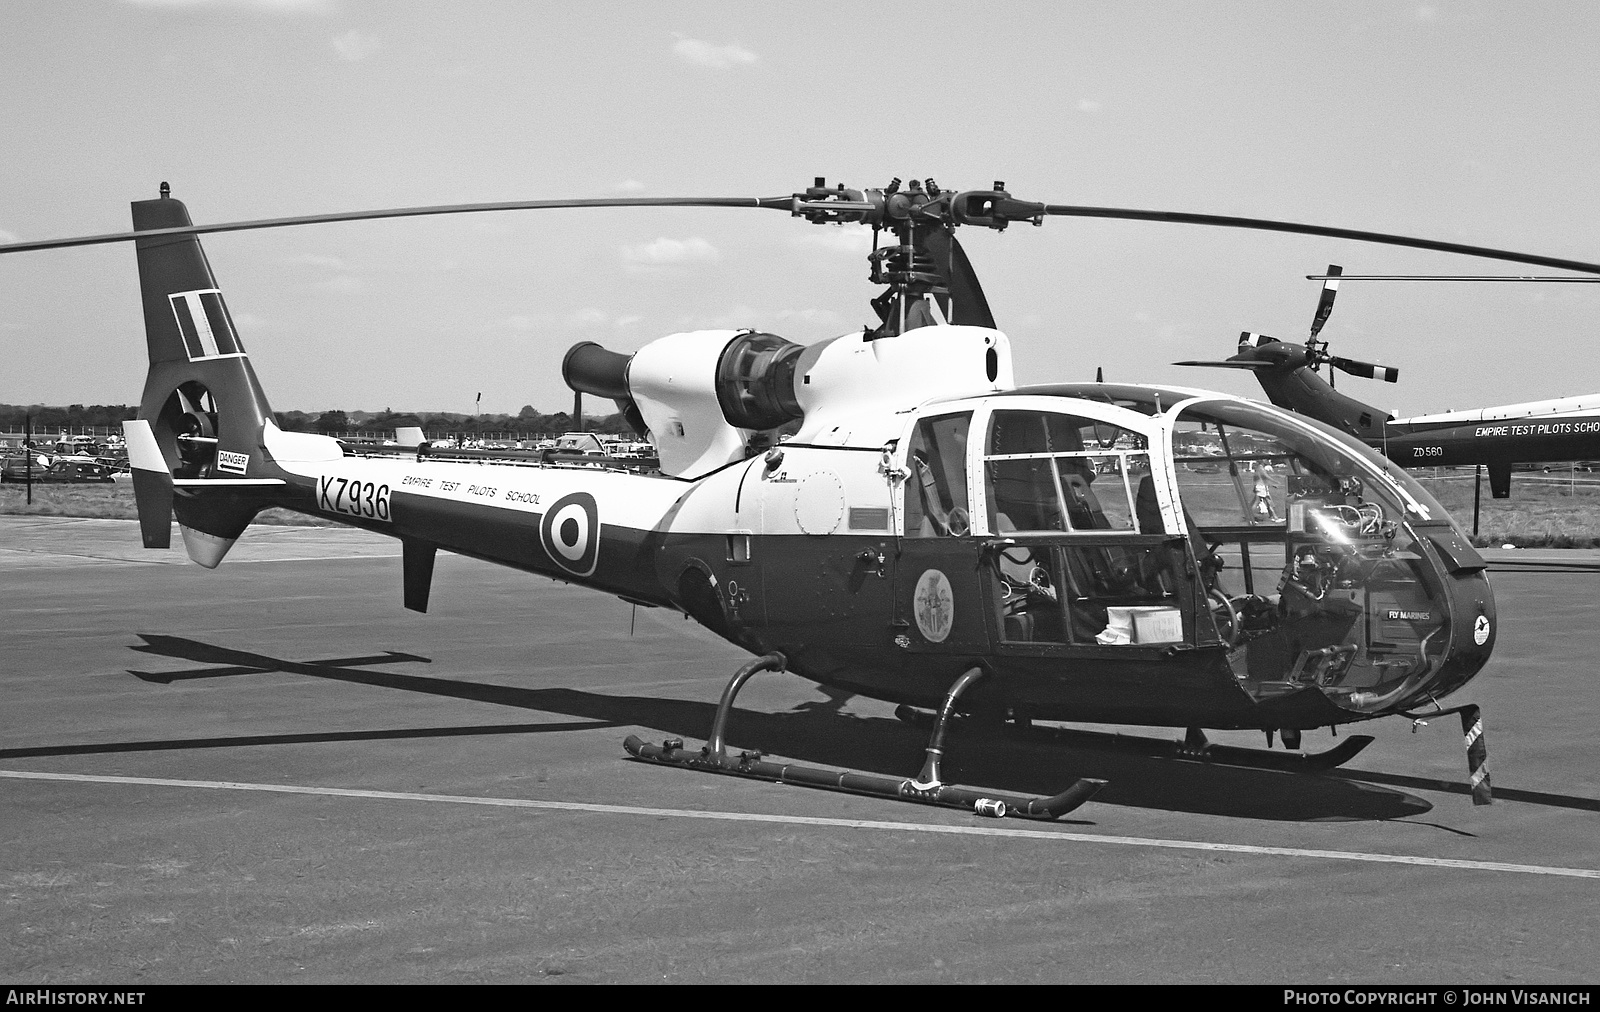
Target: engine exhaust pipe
{"points": [[591, 369], [588, 368]]}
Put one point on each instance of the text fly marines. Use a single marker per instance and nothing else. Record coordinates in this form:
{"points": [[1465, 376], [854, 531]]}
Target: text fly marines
{"points": [[931, 534]]}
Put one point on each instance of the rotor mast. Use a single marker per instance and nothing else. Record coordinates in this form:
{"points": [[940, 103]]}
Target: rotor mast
{"points": [[928, 276]]}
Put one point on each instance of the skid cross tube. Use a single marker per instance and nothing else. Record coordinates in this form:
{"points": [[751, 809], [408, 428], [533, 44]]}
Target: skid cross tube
{"points": [[927, 789], [717, 745], [928, 779]]}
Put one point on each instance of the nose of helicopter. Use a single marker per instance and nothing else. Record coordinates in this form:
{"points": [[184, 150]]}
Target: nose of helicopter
{"points": [[1456, 588], [1473, 623]]}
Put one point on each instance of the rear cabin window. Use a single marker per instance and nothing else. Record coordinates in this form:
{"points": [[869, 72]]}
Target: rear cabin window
{"points": [[1050, 472], [1055, 473], [936, 489]]}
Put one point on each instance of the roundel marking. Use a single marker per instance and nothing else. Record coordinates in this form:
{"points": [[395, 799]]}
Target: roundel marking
{"points": [[934, 605], [1480, 630], [570, 533]]}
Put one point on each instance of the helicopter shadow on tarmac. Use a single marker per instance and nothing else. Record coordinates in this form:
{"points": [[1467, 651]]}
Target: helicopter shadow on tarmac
{"points": [[811, 733]]}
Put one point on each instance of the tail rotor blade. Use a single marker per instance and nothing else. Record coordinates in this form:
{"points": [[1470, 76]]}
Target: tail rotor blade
{"points": [[1366, 370], [1330, 289]]}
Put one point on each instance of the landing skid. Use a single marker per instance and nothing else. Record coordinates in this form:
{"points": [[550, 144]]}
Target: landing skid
{"points": [[926, 788], [1193, 748]]}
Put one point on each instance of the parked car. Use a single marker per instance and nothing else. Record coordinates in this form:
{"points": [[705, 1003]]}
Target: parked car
{"points": [[62, 471]]}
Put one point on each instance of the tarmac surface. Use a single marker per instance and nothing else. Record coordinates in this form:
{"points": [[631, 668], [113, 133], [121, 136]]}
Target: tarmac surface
{"points": [[272, 773]]}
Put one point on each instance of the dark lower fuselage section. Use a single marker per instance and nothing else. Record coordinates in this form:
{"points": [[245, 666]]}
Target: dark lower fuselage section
{"points": [[843, 609], [851, 611]]}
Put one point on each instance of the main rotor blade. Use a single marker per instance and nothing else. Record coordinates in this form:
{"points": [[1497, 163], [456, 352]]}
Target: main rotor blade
{"points": [[783, 203], [1367, 370], [1556, 278], [1018, 210]]}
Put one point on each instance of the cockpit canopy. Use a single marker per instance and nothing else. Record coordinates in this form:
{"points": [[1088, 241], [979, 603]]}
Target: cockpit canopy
{"points": [[1196, 518]]}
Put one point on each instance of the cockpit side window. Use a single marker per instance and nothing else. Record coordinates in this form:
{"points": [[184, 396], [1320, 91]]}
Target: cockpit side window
{"points": [[936, 503], [1229, 475], [1054, 472]]}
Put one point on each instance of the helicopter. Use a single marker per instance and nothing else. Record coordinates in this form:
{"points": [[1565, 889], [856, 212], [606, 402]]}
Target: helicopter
{"points": [[1565, 428], [887, 513]]}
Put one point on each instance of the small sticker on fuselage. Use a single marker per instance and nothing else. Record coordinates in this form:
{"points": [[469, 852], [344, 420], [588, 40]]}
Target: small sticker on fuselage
{"points": [[237, 463], [1402, 615]]}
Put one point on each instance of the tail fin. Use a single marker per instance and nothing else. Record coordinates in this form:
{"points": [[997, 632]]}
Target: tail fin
{"points": [[202, 409]]}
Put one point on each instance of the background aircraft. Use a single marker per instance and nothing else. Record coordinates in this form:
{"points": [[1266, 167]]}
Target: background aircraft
{"points": [[1560, 429]]}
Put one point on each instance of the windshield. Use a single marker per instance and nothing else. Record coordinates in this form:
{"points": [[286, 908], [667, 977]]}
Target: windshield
{"points": [[1309, 555], [1240, 463]]}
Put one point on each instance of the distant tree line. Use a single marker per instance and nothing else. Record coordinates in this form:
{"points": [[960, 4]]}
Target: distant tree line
{"points": [[73, 417], [528, 420]]}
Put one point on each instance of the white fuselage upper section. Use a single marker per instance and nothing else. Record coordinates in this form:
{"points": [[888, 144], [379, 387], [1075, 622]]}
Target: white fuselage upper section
{"points": [[1558, 406], [837, 382]]}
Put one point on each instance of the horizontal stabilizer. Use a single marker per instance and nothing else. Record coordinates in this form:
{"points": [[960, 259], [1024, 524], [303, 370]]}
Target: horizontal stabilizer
{"points": [[1231, 364], [229, 482]]}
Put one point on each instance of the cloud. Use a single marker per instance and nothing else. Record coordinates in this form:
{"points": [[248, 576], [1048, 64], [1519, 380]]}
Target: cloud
{"points": [[590, 317], [1088, 105], [265, 6], [629, 186], [319, 260], [1426, 12], [847, 238], [342, 284], [705, 54], [355, 45], [670, 252], [333, 274], [9, 236], [248, 321], [742, 315]]}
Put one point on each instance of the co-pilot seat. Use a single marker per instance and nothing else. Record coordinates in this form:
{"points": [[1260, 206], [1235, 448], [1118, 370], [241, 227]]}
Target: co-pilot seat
{"points": [[1148, 510], [1094, 572], [1031, 611]]}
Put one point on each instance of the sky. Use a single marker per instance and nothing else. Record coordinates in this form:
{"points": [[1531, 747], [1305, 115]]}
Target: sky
{"points": [[1468, 122]]}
